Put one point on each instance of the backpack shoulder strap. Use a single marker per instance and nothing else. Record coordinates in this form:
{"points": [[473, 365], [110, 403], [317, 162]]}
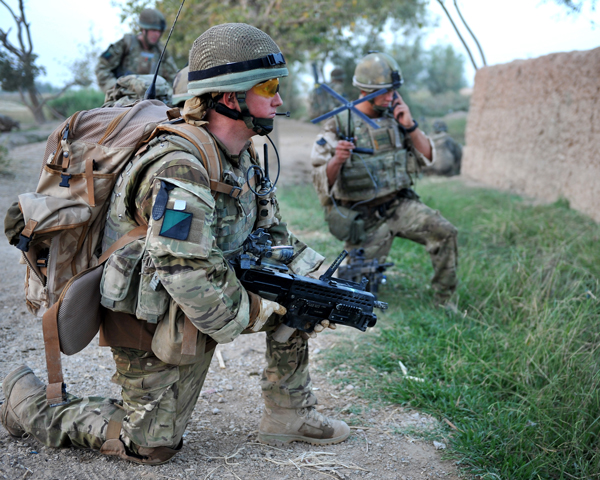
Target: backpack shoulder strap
{"points": [[211, 158]]}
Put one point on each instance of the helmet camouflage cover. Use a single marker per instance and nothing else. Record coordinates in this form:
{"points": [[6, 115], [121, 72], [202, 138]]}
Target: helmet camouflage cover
{"points": [[132, 88], [180, 88], [439, 126], [375, 71], [152, 19], [233, 57]]}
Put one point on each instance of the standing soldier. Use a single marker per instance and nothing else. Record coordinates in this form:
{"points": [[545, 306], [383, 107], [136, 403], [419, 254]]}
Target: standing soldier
{"points": [[449, 152], [136, 54], [368, 198], [186, 290]]}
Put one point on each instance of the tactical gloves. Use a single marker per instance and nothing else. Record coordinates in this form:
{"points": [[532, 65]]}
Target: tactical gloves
{"points": [[260, 311]]}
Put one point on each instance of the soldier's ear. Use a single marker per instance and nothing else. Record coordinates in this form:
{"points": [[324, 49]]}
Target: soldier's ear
{"points": [[230, 101]]}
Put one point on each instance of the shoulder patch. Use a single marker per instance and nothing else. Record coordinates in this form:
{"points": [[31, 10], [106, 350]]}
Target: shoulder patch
{"points": [[176, 224], [321, 141], [107, 54]]}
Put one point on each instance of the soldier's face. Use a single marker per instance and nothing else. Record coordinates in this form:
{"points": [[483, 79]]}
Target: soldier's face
{"points": [[261, 106], [153, 36], [385, 99]]}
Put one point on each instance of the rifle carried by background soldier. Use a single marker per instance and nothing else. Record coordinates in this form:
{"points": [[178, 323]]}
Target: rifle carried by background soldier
{"points": [[359, 268]]}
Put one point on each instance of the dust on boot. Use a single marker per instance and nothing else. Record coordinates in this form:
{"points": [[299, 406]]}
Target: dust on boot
{"points": [[19, 385]]}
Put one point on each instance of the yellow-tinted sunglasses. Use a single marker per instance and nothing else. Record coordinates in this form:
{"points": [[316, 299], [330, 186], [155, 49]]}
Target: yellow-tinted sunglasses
{"points": [[267, 89]]}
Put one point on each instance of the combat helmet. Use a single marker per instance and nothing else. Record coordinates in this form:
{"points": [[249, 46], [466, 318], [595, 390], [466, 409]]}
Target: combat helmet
{"points": [[439, 126], [180, 88], [152, 19], [375, 71], [234, 57], [337, 75]]}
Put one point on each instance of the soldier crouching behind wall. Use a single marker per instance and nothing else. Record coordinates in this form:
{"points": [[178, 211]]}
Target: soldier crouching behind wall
{"points": [[368, 198], [190, 237]]}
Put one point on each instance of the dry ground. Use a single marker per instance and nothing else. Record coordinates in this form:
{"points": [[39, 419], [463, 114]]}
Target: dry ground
{"points": [[220, 442]]}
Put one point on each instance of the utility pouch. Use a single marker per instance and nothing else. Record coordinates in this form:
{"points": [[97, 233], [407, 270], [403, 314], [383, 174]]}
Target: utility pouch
{"points": [[121, 277], [176, 340], [346, 225], [153, 299]]}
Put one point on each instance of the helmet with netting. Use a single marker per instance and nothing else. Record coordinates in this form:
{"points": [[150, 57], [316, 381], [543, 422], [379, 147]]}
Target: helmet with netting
{"points": [[180, 88], [152, 19], [375, 71], [439, 126], [233, 57]]}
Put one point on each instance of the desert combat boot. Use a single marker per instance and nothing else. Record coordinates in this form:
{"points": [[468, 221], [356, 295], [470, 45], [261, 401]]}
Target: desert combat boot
{"points": [[19, 385], [285, 425]]}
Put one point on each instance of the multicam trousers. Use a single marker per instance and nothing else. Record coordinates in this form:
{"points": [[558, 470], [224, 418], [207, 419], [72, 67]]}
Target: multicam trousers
{"points": [[158, 398], [409, 218]]}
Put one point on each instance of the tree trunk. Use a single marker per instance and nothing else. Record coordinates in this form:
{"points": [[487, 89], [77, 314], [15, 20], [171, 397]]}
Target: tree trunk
{"points": [[35, 107]]}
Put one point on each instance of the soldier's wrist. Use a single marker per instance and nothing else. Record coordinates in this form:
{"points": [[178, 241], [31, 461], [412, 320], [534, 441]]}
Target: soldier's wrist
{"points": [[412, 128]]}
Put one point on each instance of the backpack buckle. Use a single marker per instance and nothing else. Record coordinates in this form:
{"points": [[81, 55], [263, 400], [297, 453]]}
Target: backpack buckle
{"points": [[23, 244], [235, 192], [65, 180]]}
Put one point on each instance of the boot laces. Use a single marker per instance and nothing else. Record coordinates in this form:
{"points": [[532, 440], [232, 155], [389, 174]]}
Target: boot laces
{"points": [[311, 414]]}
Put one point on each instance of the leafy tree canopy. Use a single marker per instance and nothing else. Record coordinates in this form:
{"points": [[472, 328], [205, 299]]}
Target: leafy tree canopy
{"points": [[302, 28]]}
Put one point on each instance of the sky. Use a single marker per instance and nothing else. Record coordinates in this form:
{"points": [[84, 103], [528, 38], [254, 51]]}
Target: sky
{"points": [[507, 30]]}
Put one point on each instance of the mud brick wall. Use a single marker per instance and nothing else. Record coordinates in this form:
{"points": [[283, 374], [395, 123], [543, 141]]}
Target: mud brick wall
{"points": [[534, 128]]}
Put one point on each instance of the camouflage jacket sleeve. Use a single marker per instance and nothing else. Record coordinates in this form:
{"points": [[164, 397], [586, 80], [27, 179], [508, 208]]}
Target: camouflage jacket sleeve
{"points": [[108, 61], [322, 151], [177, 202], [422, 159]]}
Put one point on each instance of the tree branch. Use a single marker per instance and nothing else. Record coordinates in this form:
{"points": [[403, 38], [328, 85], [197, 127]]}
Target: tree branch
{"points": [[472, 34], [458, 33]]}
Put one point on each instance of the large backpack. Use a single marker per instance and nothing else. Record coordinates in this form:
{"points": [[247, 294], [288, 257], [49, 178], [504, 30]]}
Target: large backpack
{"points": [[64, 219]]}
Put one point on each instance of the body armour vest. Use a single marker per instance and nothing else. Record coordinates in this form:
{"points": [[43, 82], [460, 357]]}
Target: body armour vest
{"points": [[234, 221], [367, 177]]}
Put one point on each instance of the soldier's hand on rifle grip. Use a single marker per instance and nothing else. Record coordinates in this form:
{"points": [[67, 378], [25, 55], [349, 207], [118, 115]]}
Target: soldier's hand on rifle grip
{"points": [[261, 310], [322, 326]]}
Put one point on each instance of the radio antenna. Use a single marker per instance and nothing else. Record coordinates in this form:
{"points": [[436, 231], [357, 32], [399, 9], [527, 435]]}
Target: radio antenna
{"points": [[151, 92]]}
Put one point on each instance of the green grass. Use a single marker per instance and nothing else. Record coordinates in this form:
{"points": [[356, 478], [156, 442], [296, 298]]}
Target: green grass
{"points": [[77, 100], [517, 368]]}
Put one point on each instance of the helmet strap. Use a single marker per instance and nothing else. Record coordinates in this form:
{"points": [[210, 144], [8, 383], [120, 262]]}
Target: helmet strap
{"points": [[261, 126]]}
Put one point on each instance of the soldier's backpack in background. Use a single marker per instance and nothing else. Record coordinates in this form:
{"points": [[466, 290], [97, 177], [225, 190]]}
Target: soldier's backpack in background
{"points": [[64, 221]]}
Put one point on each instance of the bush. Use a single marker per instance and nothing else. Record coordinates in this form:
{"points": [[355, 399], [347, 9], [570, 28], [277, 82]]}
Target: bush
{"points": [[76, 100]]}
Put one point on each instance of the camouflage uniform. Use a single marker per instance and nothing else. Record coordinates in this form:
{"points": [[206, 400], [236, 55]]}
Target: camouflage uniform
{"points": [[159, 397], [128, 57], [132, 88], [392, 209], [449, 155]]}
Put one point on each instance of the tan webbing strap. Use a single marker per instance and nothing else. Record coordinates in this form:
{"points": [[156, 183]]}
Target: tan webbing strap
{"points": [[54, 391], [206, 145], [112, 125], [89, 176], [136, 233], [190, 338], [29, 228], [113, 430]]}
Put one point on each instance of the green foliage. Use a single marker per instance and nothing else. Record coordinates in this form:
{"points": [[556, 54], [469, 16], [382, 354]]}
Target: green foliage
{"points": [[299, 27], [18, 72], [516, 369], [4, 159], [445, 70], [76, 100], [425, 104]]}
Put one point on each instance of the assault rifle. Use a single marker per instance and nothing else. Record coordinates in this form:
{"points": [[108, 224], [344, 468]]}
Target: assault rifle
{"points": [[308, 301], [359, 267]]}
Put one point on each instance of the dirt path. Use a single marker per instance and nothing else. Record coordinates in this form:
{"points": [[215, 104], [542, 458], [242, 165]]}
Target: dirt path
{"points": [[220, 441]]}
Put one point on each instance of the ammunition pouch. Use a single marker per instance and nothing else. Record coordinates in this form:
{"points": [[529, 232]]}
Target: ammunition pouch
{"points": [[346, 224]]}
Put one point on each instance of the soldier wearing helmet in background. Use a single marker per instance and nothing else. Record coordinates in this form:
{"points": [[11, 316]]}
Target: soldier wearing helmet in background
{"points": [[449, 152], [185, 292], [136, 54], [320, 102], [132, 88], [368, 198]]}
